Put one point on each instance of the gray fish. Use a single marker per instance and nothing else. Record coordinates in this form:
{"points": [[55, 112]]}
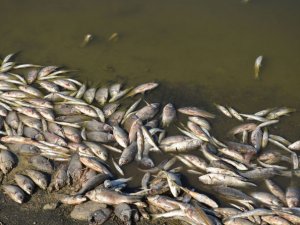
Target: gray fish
{"points": [[293, 195], [194, 111], [123, 212], [256, 138], [220, 179], [95, 125], [71, 133], [81, 91], [100, 216], [275, 220], [99, 136], [45, 71], [49, 86], [168, 115], [266, 198], [148, 112], [275, 190], [141, 89], [105, 196], [109, 109], [114, 89], [7, 161], [31, 76], [60, 178], [183, 146], [128, 154], [295, 146], [25, 183], [120, 136], [42, 163], [92, 183], [72, 199], [15, 193], [260, 173], [89, 95], [75, 168], [39, 178], [55, 139], [99, 150], [101, 95]]}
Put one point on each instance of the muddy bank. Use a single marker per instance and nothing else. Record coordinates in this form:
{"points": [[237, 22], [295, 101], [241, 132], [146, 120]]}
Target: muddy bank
{"points": [[32, 213]]}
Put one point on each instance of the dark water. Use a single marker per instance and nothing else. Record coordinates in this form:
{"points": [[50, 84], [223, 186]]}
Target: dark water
{"points": [[201, 51]]}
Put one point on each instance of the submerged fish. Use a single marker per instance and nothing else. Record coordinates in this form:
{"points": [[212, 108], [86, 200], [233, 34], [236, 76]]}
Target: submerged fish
{"points": [[257, 66]]}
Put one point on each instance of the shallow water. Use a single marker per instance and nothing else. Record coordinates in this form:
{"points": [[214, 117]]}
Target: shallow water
{"points": [[201, 51]]}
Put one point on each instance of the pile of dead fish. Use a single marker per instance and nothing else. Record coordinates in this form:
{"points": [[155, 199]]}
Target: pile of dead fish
{"points": [[77, 141]]}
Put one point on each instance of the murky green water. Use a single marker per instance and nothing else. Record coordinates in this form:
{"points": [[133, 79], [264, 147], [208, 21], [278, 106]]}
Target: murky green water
{"points": [[201, 51]]}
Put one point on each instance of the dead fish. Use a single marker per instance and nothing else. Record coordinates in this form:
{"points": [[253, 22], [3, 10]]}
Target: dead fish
{"points": [[220, 179], [260, 173], [71, 133], [72, 199], [292, 195], [168, 115], [15, 193], [95, 164], [141, 89], [128, 154], [257, 66], [266, 198], [223, 110], [89, 95], [173, 139], [183, 146], [31, 91], [276, 113], [31, 76], [41, 163], [75, 168], [194, 111], [256, 138], [200, 121], [295, 146], [120, 136], [275, 190], [239, 221], [86, 110], [92, 183], [7, 161], [54, 139], [242, 128], [148, 112], [49, 86], [198, 131], [275, 220], [99, 150], [105, 196], [25, 183], [235, 114], [124, 212], [100, 216], [60, 178], [66, 84], [87, 39], [99, 136], [39, 178], [114, 89], [101, 95]]}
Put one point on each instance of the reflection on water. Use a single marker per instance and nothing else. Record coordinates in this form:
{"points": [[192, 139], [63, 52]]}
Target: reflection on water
{"points": [[201, 51]]}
